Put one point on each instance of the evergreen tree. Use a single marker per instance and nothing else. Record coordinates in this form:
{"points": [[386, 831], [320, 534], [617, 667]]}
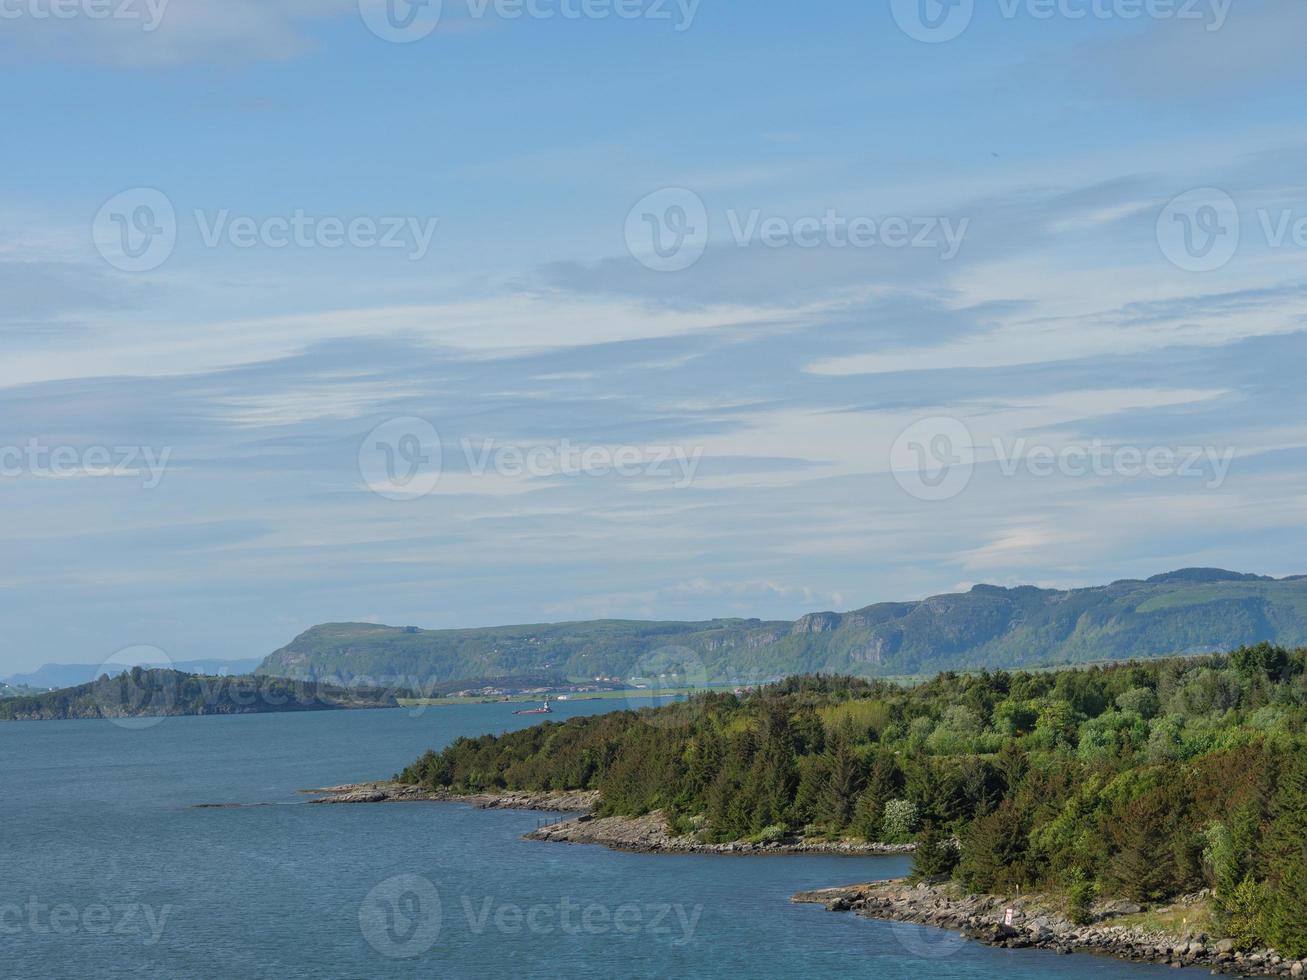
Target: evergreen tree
{"points": [[936, 855], [843, 783], [1144, 865], [1286, 850], [995, 850]]}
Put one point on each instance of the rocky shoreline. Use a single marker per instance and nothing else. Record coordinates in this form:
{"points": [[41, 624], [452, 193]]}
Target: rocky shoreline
{"points": [[583, 801], [642, 835], [1037, 925], [650, 835]]}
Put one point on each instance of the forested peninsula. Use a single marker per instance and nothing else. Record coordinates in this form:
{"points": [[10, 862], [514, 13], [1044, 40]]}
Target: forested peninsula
{"points": [[1151, 783]]}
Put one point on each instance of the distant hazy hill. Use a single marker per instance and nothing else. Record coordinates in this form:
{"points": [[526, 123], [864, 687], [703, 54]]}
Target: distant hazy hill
{"points": [[69, 675], [150, 693], [1189, 611]]}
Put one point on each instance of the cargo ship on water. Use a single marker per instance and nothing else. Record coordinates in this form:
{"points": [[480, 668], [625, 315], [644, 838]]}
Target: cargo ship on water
{"points": [[544, 710]]}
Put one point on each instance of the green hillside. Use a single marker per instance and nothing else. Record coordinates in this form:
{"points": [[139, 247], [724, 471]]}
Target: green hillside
{"points": [[1186, 612]]}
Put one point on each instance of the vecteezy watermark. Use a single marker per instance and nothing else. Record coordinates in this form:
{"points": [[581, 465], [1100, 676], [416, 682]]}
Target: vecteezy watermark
{"points": [[661, 674], [938, 21], [934, 459], [148, 13], [1202, 230], [406, 21], [1199, 230], [39, 918], [565, 458], [139, 687], [402, 918], [669, 230], [136, 231], [36, 459], [927, 942], [402, 459]]}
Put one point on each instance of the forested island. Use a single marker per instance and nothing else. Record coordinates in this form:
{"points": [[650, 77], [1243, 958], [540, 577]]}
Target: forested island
{"points": [[1147, 782], [140, 692]]}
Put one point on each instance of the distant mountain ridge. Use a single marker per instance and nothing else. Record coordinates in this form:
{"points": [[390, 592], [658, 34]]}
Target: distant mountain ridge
{"points": [[1190, 611]]}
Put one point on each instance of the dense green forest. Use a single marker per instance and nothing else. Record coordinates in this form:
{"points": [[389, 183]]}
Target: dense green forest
{"points": [[1191, 611], [1144, 780], [146, 693]]}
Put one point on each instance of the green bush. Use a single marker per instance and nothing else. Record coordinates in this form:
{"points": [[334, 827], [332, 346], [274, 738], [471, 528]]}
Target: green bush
{"points": [[770, 835], [900, 821], [1081, 894]]}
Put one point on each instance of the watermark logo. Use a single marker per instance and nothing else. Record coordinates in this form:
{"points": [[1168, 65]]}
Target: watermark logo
{"points": [[136, 230], [938, 21], [37, 918], [1199, 231], [927, 942], [401, 917], [406, 21], [401, 21], [125, 692], [148, 13], [1203, 229], [36, 459], [934, 459], [667, 231], [933, 21], [401, 459], [662, 675], [568, 459], [677, 922]]}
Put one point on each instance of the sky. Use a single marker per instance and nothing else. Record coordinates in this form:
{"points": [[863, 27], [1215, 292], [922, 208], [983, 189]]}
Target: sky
{"points": [[485, 312]]}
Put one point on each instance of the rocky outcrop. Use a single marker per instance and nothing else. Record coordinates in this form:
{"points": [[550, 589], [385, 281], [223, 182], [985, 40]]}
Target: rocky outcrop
{"points": [[649, 834], [1036, 923], [582, 801]]}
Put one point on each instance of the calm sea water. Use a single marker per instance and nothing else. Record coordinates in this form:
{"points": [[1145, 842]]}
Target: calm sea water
{"points": [[106, 869]]}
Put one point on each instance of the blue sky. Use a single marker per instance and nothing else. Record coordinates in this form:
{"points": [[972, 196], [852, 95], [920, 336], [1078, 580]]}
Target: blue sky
{"points": [[223, 411]]}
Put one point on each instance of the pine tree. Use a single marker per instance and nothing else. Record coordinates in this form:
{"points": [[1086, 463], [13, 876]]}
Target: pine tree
{"points": [[995, 851], [936, 855], [844, 780], [1144, 865], [1286, 853]]}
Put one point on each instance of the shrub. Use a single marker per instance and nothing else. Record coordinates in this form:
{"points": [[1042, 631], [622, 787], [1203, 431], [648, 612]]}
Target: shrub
{"points": [[1244, 914], [1081, 895], [770, 835], [900, 821]]}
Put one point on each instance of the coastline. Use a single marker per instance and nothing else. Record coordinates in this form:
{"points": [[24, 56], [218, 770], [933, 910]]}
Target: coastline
{"points": [[649, 835], [387, 791], [1036, 924], [640, 835], [1037, 921]]}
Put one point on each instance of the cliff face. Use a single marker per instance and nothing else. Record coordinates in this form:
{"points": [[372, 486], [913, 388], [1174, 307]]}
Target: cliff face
{"points": [[1189, 611]]}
